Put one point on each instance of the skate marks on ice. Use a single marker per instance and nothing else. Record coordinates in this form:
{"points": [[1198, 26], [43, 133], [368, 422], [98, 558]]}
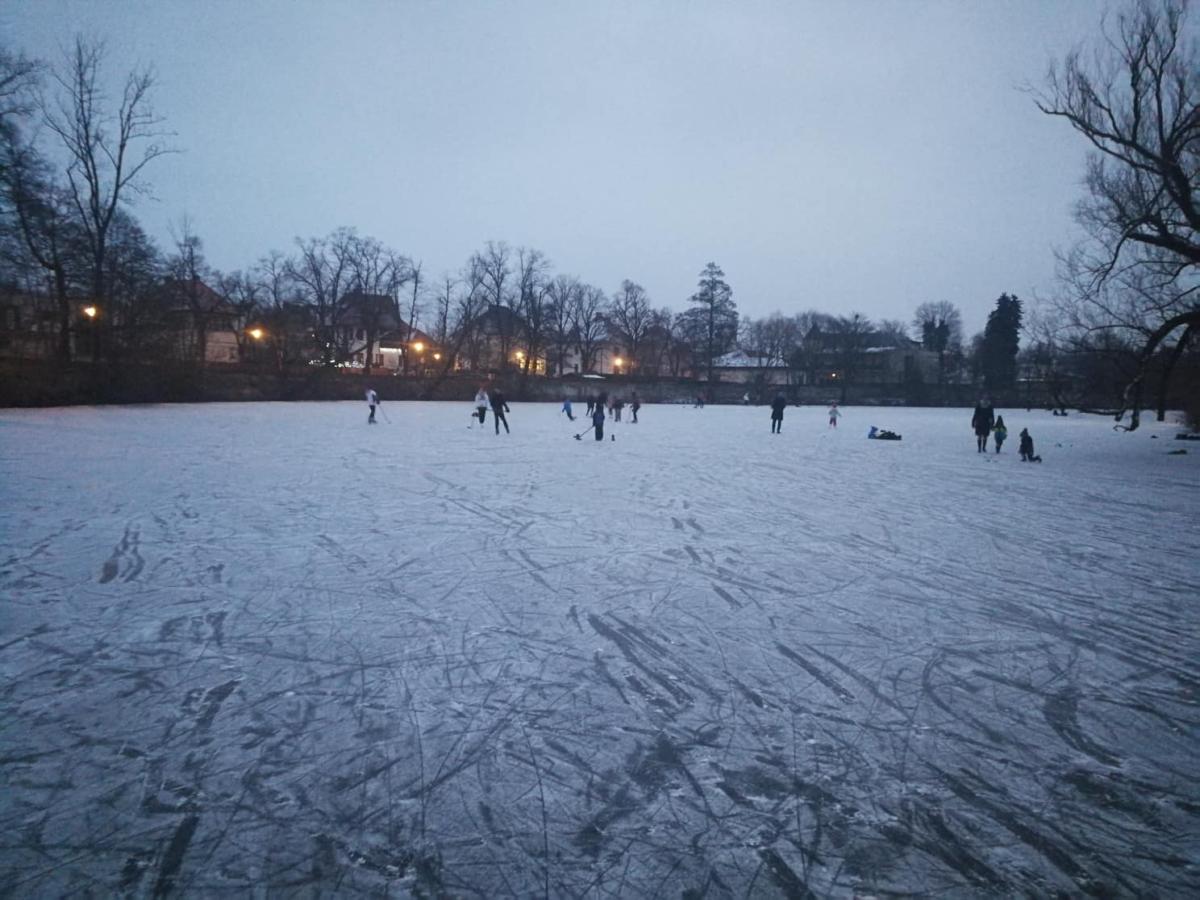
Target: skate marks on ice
{"points": [[494, 677]]}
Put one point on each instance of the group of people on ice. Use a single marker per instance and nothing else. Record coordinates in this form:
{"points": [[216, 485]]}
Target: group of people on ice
{"points": [[986, 423]]}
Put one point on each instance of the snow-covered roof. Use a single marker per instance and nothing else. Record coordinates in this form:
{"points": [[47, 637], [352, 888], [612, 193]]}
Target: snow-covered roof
{"points": [[739, 359]]}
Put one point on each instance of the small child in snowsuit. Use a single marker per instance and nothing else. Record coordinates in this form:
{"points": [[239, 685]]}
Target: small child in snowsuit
{"points": [[1000, 432], [834, 415], [566, 407], [481, 404], [1026, 447]]}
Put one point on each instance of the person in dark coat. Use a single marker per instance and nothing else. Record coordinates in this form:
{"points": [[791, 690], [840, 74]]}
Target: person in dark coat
{"points": [[982, 422], [591, 404], [1026, 447], [499, 408], [634, 406], [777, 407], [598, 421]]}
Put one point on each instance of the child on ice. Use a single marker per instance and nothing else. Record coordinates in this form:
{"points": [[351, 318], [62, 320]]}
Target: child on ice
{"points": [[1026, 447], [481, 404], [1000, 432], [372, 402], [834, 415], [566, 407]]}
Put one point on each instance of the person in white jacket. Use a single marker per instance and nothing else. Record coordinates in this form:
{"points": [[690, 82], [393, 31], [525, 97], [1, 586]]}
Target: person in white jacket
{"points": [[372, 402], [481, 404], [834, 415]]}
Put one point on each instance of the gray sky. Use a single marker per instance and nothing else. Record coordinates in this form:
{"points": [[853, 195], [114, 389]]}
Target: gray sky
{"points": [[851, 156]]}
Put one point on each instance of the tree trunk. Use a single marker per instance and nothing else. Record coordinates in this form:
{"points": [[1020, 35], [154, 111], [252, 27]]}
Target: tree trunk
{"points": [[1166, 376], [1133, 392], [64, 316]]}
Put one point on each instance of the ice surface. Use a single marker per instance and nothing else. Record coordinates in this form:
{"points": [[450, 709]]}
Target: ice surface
{"points": [[267, 646]]}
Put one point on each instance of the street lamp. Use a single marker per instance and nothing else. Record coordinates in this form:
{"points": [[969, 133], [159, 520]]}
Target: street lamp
{"points": [[617, 363], [90, 311], [256, 333], [418, 346]]}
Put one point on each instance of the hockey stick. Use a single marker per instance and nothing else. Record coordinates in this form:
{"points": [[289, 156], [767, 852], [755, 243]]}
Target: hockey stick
{"points": [[579, 437]]}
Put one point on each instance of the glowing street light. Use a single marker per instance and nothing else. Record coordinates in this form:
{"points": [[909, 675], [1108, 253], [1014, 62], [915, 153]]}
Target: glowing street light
{"points": [[437, 356], [618, 362], [418, 346], [520, 356], [256, 333], [90, 311]]}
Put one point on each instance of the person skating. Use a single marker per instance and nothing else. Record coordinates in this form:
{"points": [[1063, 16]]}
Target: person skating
{"points": [[982, 421], [617, 405], [598, 421], [777, 407], [499, 408], [635, 406], [372, 402], [591, 405], [480, 406], [566, 407], [1026, 447], [999, 433], [834, 415]]}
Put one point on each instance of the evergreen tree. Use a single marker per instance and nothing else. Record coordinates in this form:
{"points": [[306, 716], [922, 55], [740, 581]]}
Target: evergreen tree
{"points": [[1001, 337], [716, 308]]}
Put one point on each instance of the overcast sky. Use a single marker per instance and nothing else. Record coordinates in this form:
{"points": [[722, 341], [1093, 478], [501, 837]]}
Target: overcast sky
{"points": [[844, 156]]}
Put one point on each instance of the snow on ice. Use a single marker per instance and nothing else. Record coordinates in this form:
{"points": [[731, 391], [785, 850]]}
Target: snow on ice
{"points": [[268, 647]]}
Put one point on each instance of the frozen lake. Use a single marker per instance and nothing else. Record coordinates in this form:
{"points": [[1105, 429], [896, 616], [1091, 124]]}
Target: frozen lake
{"points": [[267, 646]]}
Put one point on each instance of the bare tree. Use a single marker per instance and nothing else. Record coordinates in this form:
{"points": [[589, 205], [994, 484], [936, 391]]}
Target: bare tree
{"points": [[630, 317], [532, 304], [1136, 100], [847, 341], [38, 213], [107, 152], [18, 87], [589, 324], [774, 339], [279, 305], [188, 270], [465, 299], [656, 344], [414, 277], [321, 271], [376, 276], [494, 267], [563, 294], [243, 292], [443, 299], [939, 324]]}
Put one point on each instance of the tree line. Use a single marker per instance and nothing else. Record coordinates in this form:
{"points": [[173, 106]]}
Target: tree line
{"points": [[73, 160]]}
